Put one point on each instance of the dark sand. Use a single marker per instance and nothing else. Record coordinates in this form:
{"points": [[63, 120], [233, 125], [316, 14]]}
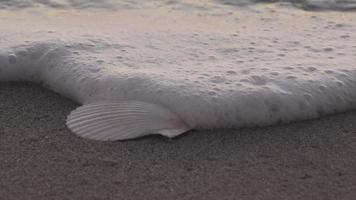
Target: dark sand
{"points": [[41, 159]]}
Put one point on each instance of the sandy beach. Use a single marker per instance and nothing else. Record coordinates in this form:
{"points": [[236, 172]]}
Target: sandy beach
{"points": [[41, 159]]}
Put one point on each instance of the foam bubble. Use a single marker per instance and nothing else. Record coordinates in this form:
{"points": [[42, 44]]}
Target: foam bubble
{"points": [[211, 77]]}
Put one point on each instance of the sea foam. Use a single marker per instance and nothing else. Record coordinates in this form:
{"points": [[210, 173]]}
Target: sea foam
{"points": [[245, 68]]}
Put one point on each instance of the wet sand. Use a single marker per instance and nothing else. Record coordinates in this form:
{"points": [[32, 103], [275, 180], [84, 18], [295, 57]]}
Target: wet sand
{"points": [[41, 159]]}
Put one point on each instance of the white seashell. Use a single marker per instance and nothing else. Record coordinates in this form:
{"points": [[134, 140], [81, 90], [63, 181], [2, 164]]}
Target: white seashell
{"points": [[124, 120]]}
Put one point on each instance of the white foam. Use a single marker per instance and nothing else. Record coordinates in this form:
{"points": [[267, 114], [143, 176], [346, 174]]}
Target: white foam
{"points": [[243, 69]]}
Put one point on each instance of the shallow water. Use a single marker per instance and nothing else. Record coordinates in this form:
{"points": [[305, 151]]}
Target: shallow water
{"points": [[216, 64], [344, 5]]}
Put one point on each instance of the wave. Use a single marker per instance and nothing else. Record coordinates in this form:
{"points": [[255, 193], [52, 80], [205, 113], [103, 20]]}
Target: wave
{"points": [[213, 72], [311, 5]]}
